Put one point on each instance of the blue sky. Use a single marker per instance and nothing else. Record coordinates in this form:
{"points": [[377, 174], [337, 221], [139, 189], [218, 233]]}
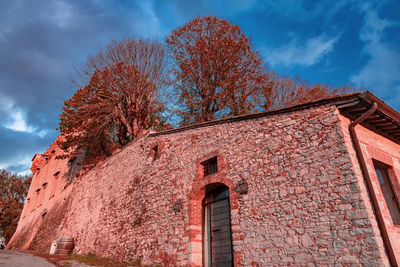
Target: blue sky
{"points": [[42, 41]]}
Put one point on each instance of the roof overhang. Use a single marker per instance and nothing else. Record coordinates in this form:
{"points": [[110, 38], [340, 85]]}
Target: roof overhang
{"points": [[384, 121]]}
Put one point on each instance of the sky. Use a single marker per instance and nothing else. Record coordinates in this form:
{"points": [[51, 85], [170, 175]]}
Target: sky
{"points": [[42, 42]]}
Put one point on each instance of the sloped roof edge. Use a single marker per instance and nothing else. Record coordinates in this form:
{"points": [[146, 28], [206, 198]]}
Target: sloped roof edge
{"points": [[337, 100]]}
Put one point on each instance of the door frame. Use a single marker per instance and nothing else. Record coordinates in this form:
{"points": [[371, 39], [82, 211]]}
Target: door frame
{"points": [[216, 188]]}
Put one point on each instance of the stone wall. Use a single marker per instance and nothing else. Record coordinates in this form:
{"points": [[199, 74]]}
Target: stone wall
{"points": [[305, 204]]}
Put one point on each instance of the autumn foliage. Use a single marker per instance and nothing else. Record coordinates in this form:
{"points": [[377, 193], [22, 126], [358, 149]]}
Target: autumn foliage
{"points": [[119, 101], [281, 92], [217, 71], [13, 191]]}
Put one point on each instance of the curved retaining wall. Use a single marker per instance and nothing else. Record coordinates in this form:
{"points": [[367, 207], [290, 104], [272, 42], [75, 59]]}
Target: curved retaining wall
{"points": [[305, 203]]}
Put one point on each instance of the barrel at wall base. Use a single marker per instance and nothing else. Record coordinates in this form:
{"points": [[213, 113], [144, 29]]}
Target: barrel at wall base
{"points": [[65, 245]]}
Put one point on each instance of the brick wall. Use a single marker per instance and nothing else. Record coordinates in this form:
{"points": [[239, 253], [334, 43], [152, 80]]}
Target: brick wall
{"points": [[305, 205], [376, 148]]}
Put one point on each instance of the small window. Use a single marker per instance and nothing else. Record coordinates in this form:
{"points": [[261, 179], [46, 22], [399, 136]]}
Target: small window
{"points": [[44, 185], [155, 152], [72, 159], [210, 166], [53, 151], [390, 199], [57, 173]]}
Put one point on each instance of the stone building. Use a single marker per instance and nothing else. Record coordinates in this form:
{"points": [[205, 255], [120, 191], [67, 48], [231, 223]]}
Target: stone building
{"points": [[313, 184]]}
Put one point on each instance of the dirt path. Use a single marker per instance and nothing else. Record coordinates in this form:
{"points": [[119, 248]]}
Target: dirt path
{"points": [[9, 258]]}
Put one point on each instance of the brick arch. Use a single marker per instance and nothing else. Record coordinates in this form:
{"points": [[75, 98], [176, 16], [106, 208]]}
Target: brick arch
{"points": [[194, 227]]}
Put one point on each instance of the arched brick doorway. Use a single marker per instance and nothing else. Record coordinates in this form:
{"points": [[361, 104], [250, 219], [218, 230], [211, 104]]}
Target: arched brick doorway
{"points": [[195, 227]]}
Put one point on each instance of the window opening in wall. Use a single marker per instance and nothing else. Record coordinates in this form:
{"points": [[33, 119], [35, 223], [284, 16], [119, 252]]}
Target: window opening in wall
{"points": [[37, 198], [155, 152], [210, 166], [388, 193], [28, 201], [54, 185], [43, 192], [72, 159], [53, 151]]}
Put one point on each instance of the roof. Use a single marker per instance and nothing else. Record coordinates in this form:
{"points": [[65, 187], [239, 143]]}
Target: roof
{"points": [[385, 120], [319, 102]]}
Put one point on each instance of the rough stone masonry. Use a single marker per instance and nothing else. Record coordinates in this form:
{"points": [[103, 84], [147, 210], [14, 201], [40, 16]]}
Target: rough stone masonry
{"points": [[305, 203]]}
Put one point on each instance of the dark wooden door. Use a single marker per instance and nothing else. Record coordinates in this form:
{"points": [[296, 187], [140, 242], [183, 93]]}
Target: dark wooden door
{"points": [[220, 230]]}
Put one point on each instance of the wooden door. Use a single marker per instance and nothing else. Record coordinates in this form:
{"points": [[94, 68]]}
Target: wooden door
{"points": [[219, 229]]}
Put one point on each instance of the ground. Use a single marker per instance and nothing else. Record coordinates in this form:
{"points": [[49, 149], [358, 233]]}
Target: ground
{"points": [[19, 259], [11, 258]]}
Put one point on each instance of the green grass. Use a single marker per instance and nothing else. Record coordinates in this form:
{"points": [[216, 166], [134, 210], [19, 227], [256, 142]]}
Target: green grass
{"points": [[89, 259]]}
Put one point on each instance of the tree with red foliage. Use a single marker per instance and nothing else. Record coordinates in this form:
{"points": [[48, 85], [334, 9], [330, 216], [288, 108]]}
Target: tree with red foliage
{"points": [[13, 191], [281, 92], [119, 101], [217, 71]]}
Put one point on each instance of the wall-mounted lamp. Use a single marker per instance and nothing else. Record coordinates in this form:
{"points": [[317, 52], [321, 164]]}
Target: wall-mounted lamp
{"points": [[241, 187], [177, 206]]}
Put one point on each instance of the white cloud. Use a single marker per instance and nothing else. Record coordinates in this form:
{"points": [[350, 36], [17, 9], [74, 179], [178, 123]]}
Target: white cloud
{"points": [[18, 122], [24, 162], [16, 118], [307, 54], [381, 73], [146, 23]]}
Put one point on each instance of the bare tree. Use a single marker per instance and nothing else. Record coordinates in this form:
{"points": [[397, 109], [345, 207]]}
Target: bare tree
{"points": [[280, 92]]}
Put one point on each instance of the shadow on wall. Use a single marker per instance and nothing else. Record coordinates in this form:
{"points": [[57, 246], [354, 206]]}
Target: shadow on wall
{"points": [[74, 167], [46, 228]]}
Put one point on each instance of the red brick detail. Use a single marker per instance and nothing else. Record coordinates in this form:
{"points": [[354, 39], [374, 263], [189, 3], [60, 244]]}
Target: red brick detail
{"points": [[221, 163], [387, 159], [380, 156], [194, 228]]}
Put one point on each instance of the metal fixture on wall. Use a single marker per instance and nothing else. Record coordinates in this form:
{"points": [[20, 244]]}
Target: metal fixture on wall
{"points": [[241, 187], [177, 206]]}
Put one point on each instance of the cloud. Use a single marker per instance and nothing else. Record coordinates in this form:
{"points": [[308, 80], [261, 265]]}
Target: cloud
{"points": [[19, 123], [40, 43], [18, 148], [14, 118], [306, 54], [304, 10], [381, 73]]}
